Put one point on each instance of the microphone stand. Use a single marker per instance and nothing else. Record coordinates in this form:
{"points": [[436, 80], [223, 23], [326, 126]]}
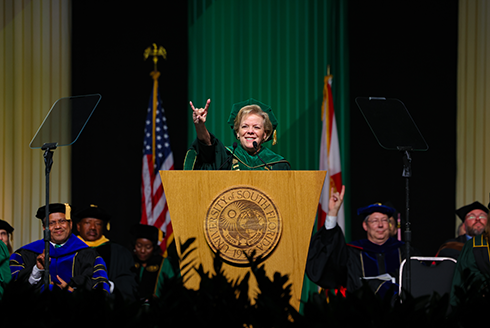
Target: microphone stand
{"points": [[230, 157], [48, 161], [256, 147], [407, 173]]}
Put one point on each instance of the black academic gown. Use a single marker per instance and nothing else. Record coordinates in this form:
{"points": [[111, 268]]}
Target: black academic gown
{"points": [[119, 262], [147, 276], [332, 263]]}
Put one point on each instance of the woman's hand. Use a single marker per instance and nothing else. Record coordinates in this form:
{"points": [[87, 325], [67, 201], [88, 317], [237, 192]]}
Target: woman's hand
{"points": [[199, 114], [199, 117]]}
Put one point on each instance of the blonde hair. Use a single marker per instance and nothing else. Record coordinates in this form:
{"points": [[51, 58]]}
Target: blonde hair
{"points": [[253, 109]]}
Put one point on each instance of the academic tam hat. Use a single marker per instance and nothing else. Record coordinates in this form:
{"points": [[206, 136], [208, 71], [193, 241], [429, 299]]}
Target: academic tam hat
{"points": [[266, 108], [55, 208], [377, 207], [149, 232], [6, 226], [463, 211], [92, 211]]}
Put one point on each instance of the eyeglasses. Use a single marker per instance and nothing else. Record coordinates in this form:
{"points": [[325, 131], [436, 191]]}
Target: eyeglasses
{"points": [[377, 221], [59, 222], [481, 217]]}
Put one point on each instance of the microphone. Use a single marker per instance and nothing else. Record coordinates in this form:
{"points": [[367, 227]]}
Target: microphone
{"points": [[229, 157], [257, 152]]}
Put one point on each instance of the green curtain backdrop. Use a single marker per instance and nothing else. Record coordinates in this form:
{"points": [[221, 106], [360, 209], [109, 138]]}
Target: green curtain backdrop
{"points": [[278, 52]]}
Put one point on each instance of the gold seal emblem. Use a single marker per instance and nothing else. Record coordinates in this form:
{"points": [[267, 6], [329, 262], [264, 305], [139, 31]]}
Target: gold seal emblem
{"points": [[240, 220]]}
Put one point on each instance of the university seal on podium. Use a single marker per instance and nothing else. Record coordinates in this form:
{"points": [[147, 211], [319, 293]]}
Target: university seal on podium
{"points": [[240, 220]]}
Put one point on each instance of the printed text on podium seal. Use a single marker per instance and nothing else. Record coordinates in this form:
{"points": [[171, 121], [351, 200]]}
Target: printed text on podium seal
{"points": [[240, 220]]}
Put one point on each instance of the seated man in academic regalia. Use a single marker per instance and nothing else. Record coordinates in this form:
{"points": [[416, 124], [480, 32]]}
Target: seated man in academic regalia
{"points": [[474, 217], [72, 264], [91, 223], [334, 264], [473, 268]]}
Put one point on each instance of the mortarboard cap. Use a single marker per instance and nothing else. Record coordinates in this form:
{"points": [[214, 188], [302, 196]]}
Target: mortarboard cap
{"points": [[463, 211]]}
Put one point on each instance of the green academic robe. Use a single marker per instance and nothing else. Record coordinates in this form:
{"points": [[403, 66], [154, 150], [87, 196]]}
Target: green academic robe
{"points": [[5, 274], [474, 259], [217, 156]]}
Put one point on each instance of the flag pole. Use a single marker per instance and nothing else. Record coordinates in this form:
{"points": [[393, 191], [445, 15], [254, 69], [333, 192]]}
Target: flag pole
{"points": [[157, 156], [155, 52]]}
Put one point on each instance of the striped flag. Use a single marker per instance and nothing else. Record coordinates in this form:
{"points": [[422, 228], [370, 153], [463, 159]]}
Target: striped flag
{"points": [[329, 156], [157, 156]]}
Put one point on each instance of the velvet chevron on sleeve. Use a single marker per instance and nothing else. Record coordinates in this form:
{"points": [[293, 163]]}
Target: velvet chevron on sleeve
{"points": [[74, 262], [332, 263]]}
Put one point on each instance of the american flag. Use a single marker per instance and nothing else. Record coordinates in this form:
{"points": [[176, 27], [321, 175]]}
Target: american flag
{"points": [[157, 156]]}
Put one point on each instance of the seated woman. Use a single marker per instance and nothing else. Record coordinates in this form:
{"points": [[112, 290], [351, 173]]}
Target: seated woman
{"points": [[253, 124], [150, 267], [5, 251], [5, 234]]}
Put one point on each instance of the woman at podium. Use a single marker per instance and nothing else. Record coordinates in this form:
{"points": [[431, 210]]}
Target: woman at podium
{"points": [[253, 124]]}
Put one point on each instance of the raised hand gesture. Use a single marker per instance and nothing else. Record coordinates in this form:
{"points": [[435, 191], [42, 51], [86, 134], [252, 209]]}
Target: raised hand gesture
{"points": [[199, 117], [336, 200], [199, 114]]}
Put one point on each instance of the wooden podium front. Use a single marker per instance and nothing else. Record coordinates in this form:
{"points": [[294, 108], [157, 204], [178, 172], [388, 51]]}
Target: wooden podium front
{"points": [[195, 199]]}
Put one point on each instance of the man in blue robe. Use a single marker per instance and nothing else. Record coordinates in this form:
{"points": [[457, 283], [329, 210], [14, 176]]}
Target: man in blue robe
{"points": [[334, 264], [72, 263]]}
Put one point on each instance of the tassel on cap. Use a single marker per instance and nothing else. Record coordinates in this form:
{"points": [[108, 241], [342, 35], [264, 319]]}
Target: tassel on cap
{"points": [[67, 211]]}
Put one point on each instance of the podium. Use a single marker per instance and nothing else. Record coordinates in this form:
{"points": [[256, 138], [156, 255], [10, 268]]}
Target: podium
{"points": [[270, 212]]}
